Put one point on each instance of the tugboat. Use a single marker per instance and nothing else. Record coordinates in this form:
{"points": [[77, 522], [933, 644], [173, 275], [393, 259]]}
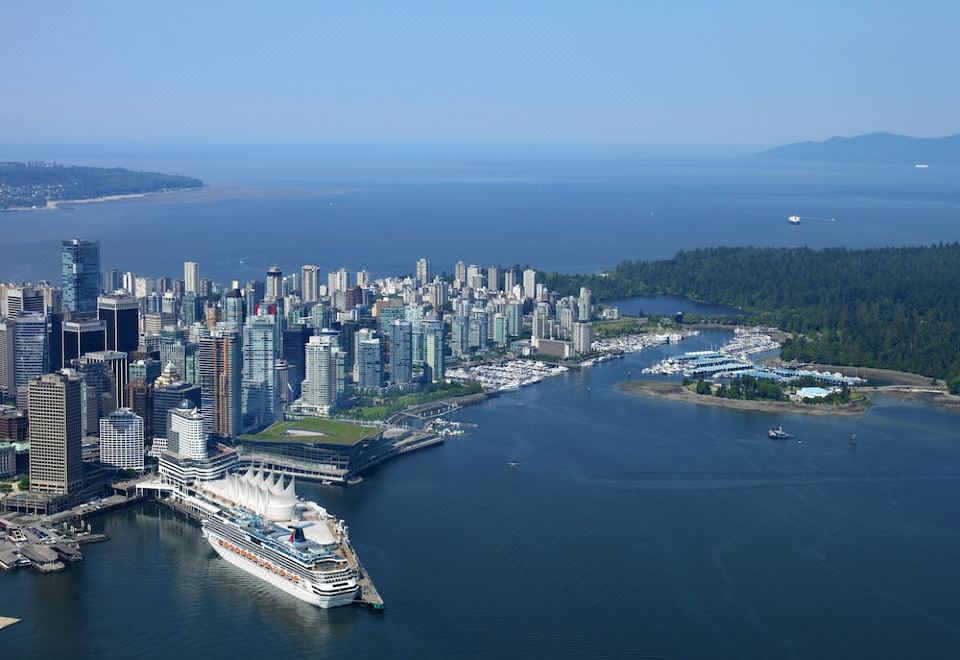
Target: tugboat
{"points": [[777, 433]]}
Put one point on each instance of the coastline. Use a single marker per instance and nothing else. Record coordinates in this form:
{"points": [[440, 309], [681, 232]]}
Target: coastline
{"points": [[676, 392], [55, 204]]}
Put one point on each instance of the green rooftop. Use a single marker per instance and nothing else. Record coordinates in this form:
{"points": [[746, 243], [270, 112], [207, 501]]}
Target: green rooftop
{"points": [[315, 429]]}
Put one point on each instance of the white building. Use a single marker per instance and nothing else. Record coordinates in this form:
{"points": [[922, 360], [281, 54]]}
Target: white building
{"points": [[186, 434], [121, 440], [311, 283], [529, 283], [324, 364], [191, 277]]}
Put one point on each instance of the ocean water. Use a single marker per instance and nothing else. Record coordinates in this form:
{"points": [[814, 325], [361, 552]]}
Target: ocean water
{"points": [[383, 208], [631, 527]]}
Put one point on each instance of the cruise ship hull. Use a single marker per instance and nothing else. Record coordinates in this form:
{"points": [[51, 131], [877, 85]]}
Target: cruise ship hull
{"points": [[302, 590]]}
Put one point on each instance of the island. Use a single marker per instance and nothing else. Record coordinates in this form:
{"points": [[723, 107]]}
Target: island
{"points": [[874, 148], [889, 308], [34, 185]]}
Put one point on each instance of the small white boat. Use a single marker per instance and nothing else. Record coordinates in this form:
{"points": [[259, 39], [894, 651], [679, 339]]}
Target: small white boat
{"points": [[794, 220]]}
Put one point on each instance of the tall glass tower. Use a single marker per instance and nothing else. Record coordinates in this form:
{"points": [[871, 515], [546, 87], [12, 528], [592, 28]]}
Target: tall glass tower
{"points": [[81, 274]]}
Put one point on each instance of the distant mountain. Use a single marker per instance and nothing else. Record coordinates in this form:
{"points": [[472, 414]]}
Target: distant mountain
{"points": [[873, 148], [34, 184]]}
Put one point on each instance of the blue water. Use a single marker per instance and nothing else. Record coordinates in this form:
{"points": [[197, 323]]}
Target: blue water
{"points": [[631, 527], [556, 210]]}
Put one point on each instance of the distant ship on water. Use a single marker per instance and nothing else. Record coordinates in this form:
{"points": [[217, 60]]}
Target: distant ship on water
{"points": [[794, 220]]}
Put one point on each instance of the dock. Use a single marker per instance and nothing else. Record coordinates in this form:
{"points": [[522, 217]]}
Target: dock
{"points": [[7, 621], [368, 596]]}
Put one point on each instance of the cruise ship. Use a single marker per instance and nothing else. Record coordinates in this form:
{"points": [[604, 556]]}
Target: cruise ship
{"points": [[258, 524]]}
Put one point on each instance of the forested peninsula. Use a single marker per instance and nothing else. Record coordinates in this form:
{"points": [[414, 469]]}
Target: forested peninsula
{"points": [[892, 308], [34, 184]]}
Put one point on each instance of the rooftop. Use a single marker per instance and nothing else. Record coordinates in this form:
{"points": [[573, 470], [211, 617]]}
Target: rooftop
{"points": [[315, 429]]}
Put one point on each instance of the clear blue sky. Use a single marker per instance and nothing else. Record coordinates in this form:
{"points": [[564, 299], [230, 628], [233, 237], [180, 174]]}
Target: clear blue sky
{"points": [[655, 73]]}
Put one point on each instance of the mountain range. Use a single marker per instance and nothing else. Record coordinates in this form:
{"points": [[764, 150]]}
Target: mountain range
{"points": [[877, 148]]}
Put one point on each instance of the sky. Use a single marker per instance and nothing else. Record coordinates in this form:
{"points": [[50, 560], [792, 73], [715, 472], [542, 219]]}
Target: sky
{"points": [[571, 73]]}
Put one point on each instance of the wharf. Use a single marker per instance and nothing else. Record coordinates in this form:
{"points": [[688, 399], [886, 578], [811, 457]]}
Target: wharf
{"points": [[6, 621]]}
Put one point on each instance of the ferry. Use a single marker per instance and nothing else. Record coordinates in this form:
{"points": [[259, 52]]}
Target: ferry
{"points": [[777, 433], [794, 220], [259, 525]]}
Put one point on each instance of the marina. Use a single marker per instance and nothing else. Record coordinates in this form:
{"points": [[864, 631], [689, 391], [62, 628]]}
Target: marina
{"points": [[507, 376], [634, 343]]}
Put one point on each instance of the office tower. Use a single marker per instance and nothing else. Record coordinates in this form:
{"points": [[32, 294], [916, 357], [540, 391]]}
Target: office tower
{"points": [[24, 300], [7, 385], [321, 388], [259, 391], [493, 278], [186, 432], [98, 389], [584, 303], [191, 309], [369, 364], [168, 397], [27, 349], [218, 364], [460, 273], [121, 440], [121, 316], [233, 309], [56, 459], [363, 278], [434, 349], [295, 338], [80, 261], [311, 283], [142, 287], [140, 400], [423, 272], [116, 361], [206, 288], [274, 283], [146, 369], [322, 316], [164, 284], [529, 283], [180, 358], [170, 304], [401, 352], [191, 277], [110, 280], [281, 370]]}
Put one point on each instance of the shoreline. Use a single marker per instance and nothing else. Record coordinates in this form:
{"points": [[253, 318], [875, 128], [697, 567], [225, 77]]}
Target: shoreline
{"points": [[676, 392], [55, 204]]}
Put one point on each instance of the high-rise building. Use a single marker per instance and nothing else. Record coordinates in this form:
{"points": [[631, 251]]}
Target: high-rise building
{"points": [[401, 352], [582, 337], [121, 440], [311, 283], [259, 391], [529, 283], [338, 280], [514, 318], [117, 363], [434, 349], [423, 272], [191, 277], [274, 283], [79, 338], [29, 350], [369, 364], [324, 364], [191, 309], [295, 338], [121, 314], [363, 278], [140, 398], [493, 278], [110, 280], [509, 280], [218, 363], [234, 312], [56, 455], [479, 329], [98, 392], [186, 432], [80, 261], [7, 385], [167, 398], [584, 304], [23, 300], [460, 273]]}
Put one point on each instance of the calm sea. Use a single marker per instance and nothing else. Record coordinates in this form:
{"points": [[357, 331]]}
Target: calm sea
{"points": [[569, 211], [630, 528]]}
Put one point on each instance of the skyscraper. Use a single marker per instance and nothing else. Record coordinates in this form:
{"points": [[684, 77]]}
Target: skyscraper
{"points": [[259, 393], [369, 364], [338, 280], [80, 261], [401, 352], [321, 388], [493, 278], [56, 459], [121, 440], [166, 399], [121, 316], [434, 348], [509, 280], [24, 300], [423, 272], [117, 363], [295, 338], [584, 304], [187, 432], [29, 347], [311, 283], [191, 277], [529, 283], [218, 363], [582, 337], [274, 283]]}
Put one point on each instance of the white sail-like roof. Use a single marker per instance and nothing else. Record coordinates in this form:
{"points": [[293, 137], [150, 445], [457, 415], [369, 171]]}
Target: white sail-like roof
{"points": [[258, 491]]}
